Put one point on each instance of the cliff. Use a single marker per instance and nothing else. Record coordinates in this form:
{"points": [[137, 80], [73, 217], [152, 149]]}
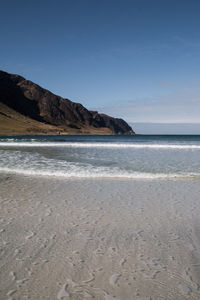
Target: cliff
{"points": [[41, 111]]}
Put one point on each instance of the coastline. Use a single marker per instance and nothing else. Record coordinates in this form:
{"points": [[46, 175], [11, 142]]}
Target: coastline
{"points": [[96, 238], [12, 123]]}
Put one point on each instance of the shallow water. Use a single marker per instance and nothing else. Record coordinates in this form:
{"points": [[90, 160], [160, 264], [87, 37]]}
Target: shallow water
{"points": [[133, 157]]}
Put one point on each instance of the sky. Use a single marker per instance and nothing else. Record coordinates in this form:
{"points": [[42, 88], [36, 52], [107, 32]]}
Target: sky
{"points": [[133, 59]]}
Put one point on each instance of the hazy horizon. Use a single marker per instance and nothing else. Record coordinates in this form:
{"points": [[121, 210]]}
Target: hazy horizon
{"points": [[166, 128]]}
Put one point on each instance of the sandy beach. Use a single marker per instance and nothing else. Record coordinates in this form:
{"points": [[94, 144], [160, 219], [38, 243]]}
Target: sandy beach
{"points": [[99, 239]]}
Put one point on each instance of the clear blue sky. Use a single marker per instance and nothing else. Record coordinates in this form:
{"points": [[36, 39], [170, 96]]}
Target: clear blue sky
{"points": [[139, 60]]}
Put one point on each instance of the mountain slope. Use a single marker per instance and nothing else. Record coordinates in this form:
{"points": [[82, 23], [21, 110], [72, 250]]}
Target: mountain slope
{"points": [[50, 112]]}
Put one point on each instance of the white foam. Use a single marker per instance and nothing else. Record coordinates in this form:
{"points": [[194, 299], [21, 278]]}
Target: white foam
{"points": [[101, 145], [88, 174]]}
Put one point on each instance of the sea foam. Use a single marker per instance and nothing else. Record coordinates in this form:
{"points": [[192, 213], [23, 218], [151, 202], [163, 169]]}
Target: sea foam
{"points": [[100, 145], [80, 173]]}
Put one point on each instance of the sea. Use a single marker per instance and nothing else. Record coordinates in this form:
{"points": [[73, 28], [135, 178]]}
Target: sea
{"points": [[77, 156]]}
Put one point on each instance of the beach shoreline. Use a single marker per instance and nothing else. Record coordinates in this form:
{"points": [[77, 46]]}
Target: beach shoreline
{"points": [[101, 239]]}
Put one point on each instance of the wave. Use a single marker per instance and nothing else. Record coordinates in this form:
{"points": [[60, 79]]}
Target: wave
{"points": [[100, 145], [88, 174]]}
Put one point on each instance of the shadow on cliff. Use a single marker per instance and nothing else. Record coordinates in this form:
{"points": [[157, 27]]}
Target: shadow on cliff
{"points": [[12, 95]]}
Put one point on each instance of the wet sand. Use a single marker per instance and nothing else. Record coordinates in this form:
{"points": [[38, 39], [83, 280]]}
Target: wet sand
{"points": [[99, 239]]}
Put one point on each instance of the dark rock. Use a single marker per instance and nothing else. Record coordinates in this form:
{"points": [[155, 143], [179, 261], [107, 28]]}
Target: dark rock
{"points": [[33, 101]]}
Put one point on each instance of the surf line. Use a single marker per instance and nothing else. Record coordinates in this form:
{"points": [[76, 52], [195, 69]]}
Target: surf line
{"points": [[100, 145]]}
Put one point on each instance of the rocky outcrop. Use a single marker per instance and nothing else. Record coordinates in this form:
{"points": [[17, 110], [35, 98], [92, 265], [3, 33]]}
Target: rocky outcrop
{"points": [[31, 100]]}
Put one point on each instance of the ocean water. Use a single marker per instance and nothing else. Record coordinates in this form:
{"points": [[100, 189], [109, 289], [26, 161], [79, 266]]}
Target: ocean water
{"points": [[131, 157]]}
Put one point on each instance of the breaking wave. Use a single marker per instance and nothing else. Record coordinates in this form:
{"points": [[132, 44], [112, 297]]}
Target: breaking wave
{"points": [[101, 145]]}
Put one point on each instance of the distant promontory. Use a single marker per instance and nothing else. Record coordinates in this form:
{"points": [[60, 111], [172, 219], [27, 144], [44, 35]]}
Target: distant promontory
{"points": [[26, 108]]}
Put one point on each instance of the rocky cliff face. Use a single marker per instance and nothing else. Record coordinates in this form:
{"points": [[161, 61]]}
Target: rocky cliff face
{"points": [[29, 99]]}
